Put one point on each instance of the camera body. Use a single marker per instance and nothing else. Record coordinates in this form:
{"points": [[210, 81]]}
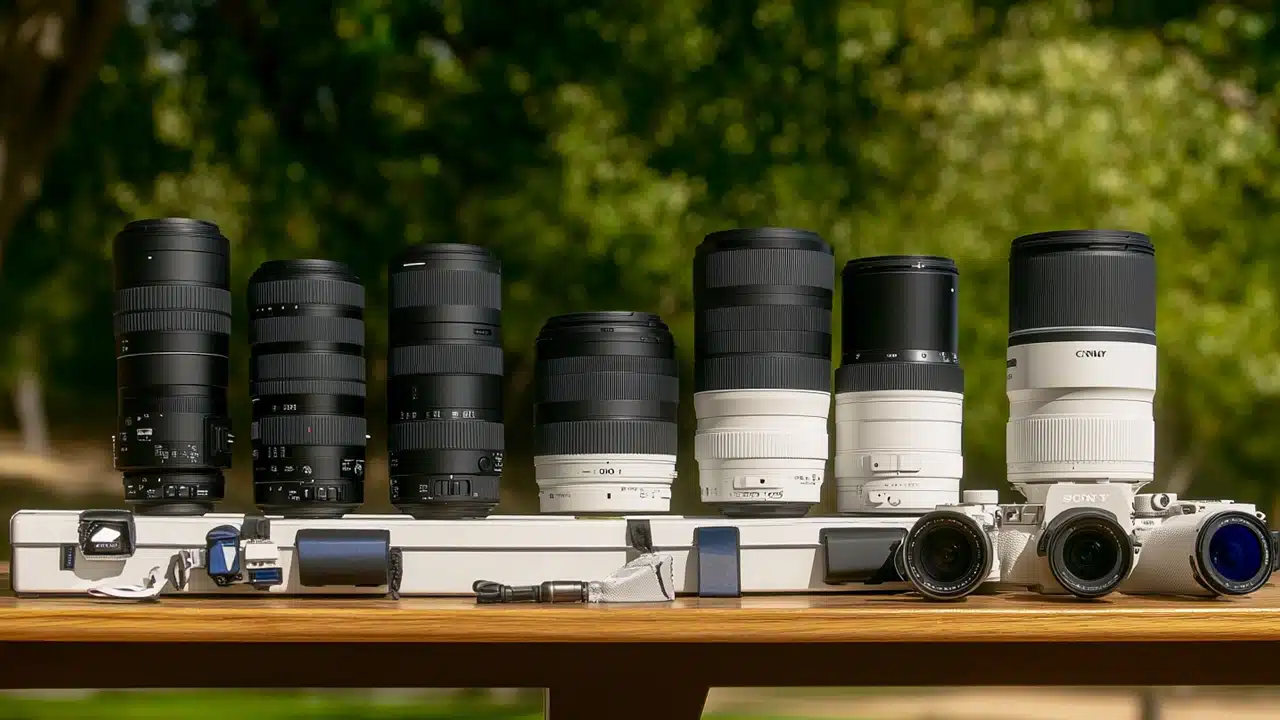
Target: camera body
{"points": [[1079, 541], [1199, 547]]}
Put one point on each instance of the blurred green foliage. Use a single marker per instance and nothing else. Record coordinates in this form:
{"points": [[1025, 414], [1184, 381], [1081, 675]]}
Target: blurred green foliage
{"points": [[593, 144]]}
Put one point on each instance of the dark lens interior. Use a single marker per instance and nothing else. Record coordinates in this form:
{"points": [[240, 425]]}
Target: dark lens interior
{"points": [[947, 554], [1236, 553], [1090, 555]]}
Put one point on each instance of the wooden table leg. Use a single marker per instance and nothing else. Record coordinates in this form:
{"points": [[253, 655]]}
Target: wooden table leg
{"points": [[633, 699]]}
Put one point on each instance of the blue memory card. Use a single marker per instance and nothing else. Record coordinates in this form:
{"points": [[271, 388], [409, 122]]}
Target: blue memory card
{"points": [[719, 561]]}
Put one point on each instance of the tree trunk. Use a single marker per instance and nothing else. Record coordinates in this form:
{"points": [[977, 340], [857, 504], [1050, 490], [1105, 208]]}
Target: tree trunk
{"points": [[50, 50]]}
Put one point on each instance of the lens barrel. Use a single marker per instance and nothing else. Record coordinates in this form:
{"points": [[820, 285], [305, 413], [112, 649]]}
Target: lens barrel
{"points": [[1234, 553], [445, 435], [605, 422], [307, 385], [1081, 364], [947, 555], [173, 329], [900, 388], [762, 369], [1089, 554]]}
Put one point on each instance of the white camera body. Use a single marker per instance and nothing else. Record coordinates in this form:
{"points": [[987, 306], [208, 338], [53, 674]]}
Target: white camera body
{"points": [[1079, 541], [1199, 547], [948, 553]]}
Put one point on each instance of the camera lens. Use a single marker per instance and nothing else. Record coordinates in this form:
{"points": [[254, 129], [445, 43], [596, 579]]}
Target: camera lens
{"points": [[763, 369], [1081, 373], [899, 389], [307, 385], [1234, 553], [172, 328], [605, 420], [1089, 553], [947, 555], [444, 381]]}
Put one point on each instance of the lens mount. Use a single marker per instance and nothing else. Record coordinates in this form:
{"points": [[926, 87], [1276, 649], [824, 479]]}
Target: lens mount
{"points": [[1234, 553], [1089, 553], [947, 555]]}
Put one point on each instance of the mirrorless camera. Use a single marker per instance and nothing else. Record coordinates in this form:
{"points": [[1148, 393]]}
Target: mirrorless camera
{"points": [[1199, 547], [948, 553]]}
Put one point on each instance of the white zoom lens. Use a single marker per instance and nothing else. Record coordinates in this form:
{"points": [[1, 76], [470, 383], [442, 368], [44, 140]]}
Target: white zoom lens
{"points": [[762, 361], [605, 419], [1081, 366], [900, 388]]}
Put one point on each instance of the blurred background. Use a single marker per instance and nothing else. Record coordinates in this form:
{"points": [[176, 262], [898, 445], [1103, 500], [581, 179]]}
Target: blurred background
{"points": [[592, 145]]}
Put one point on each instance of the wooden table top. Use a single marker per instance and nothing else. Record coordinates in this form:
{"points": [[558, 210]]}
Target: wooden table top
{"points": [[799, 619]]}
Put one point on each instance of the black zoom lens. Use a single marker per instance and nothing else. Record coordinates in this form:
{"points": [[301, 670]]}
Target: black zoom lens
{"points": [[444, 382], [947, 555], [307, 385], [1089, 553], [901, 325], [172, 327]]}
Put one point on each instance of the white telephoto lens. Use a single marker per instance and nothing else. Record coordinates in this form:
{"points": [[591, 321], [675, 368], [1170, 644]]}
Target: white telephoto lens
{"points": [[762, 362], [605, 418], [900, 388], [1081, 366]]}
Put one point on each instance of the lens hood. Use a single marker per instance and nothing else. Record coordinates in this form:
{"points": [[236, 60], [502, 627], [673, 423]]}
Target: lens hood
{"points": [[947, 555], [1089, 553]]}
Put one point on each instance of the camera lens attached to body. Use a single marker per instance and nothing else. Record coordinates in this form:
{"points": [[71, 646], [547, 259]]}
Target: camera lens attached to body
{"points": [[445, 437], [173, 333], [762, 366], [899, 388], [605, 435], [1089, 553], [1234, 553], [947, 555], [307, 385]]}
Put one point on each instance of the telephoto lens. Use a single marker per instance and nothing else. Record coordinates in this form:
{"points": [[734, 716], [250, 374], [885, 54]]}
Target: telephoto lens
{"points": [[763, 369], [1081, 366], [307, 386], [445, 436], [173, 330], [605, 431], [899, 389]]}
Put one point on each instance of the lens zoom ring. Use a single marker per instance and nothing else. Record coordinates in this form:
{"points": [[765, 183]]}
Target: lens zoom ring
{"points": [[332, 430], [446, 435], [188, 404], [290, 366], [311, 291], [172, 321], [445, 360], [594, 437], [746, 318], [763, 372], [1082, 289], [607, 386], [768, 341], [295, 328], [769, 266], [200, 298], [421, 288], [308, 387], [870, 377], [738, 444], [587, 364], [1080, 440]]}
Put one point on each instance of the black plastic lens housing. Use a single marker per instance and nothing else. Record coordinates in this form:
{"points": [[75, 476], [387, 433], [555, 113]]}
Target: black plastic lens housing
{"points": [[445, 436], [1235, 553], [1089, 553], [173, 330], [900, 323], [1082, 285], [606, 383], [307, 385], [947, 555], [762, 302]]}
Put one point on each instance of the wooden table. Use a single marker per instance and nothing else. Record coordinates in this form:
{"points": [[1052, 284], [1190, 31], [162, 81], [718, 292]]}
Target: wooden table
{"points": [[644, 662]]}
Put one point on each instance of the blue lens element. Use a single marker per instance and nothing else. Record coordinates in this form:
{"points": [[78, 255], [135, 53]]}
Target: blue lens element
{"points": [[1236, 553]]}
